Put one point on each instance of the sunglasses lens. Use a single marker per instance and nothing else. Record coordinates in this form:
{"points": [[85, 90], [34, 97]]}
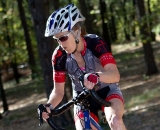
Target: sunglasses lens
{"points": [[64, 38]]}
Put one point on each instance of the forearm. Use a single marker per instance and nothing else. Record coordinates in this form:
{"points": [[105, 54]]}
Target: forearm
{"points": [[57, 93], [55, 98], [110, 74]]}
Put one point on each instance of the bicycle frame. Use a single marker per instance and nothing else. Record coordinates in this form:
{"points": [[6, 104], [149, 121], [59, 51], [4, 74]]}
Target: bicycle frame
{"points": [[89, 120], [78, 99]]}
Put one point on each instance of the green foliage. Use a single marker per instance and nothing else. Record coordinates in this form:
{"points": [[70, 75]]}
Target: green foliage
{"points": [[17, 48]]}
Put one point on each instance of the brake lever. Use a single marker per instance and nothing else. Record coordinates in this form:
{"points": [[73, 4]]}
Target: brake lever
{"points": [[41, 109]]}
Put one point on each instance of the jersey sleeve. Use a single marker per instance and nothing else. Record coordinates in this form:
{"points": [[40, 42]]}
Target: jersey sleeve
{"points": [[101, 50], [58, 63]]}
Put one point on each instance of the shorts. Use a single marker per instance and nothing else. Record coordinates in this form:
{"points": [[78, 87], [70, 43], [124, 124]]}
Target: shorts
{"points": [[107, 93]]}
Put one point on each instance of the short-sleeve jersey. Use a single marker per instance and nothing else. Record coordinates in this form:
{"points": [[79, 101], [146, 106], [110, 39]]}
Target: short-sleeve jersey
{"points": [[96, 55]]}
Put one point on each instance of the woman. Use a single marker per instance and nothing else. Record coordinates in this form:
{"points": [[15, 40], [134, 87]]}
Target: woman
{"points": [[80, 53]]}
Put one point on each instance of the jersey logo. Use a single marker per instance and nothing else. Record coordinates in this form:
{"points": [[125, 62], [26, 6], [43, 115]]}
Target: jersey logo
{"points": [[100, 46], [58, 54]]}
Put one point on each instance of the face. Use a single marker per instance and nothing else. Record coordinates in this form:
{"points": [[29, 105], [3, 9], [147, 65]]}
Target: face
{"points": [[66, 40]]}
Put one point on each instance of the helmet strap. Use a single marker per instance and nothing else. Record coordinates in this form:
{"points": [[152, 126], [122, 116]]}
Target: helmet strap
{"points": [[77, 39]]}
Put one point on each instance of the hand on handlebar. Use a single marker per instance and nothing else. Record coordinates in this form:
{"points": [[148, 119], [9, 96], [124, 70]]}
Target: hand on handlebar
{"points": [[45, 114], [90, 80]]}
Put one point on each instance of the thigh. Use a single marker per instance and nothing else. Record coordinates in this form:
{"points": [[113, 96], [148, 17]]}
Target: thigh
{"points": [[78, 118], [117, 102], [116, 109]]}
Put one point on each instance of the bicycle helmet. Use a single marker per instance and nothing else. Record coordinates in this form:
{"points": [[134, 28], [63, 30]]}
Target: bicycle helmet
{"points": [[63, 20]]}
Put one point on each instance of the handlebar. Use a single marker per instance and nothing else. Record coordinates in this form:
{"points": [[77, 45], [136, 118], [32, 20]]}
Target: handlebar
{"points": [[55, 112]]}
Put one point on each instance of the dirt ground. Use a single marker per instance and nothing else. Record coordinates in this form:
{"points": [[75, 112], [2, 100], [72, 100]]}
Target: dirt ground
{"points": [[143, 116]]}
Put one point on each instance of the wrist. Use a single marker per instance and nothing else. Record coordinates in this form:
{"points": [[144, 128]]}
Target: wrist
{"points": [[92, 77], [49, 105], [97, 74]]}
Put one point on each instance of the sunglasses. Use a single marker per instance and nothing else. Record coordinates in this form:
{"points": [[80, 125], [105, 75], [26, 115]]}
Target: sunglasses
{"points": [[63, 38]]}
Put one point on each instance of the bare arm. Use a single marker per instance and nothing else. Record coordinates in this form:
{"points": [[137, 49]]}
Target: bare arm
{"points": [[110, 75], [57, 94]]}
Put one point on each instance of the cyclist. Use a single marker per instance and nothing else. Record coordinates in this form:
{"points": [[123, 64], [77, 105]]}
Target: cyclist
{"points": [[81, 53]]}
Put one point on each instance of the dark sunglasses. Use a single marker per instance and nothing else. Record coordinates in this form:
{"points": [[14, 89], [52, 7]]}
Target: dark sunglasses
{"points": [[63, 38]]}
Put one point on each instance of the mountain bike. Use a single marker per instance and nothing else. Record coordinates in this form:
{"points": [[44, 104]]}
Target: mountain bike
{"points": [[80, 99]]}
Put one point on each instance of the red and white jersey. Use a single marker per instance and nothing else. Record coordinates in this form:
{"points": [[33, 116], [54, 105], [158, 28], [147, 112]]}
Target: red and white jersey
{"points": [[96, 55]]}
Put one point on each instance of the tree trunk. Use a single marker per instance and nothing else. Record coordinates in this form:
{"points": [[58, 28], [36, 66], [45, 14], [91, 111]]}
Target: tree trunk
{"points": [[85, 12], [133, 18], [40, 13], [127, 36], [8, 39], [153, 35], [104, 24], [146, 40], [56, 4], [3, 96], [32, 61], [112, 24]]}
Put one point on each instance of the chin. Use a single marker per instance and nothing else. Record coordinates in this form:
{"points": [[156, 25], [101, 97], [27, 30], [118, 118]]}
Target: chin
{"points": [[68, 52]]}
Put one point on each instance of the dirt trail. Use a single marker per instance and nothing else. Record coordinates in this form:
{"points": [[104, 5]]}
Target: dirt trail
{"points": [[143, 116]]}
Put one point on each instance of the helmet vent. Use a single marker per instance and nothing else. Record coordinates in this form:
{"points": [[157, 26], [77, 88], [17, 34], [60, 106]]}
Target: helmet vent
{"points": [[80, 16], [61, 23], [68, 7], [66, 26], [74, 17], [58, 17], [66, 15], [55, 25], [74, 10], [62, 11], [53, 14], [63, 20], [51, 23]]}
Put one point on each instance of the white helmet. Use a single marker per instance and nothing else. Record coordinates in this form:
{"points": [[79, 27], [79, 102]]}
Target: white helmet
{"points": [[63, 20]]}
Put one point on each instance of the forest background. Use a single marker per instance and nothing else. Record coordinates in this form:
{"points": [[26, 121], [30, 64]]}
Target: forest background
{"points": [[130, 27]]}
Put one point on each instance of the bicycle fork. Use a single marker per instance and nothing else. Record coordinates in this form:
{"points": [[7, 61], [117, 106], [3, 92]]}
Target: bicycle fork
{"points": [[86, 120]]}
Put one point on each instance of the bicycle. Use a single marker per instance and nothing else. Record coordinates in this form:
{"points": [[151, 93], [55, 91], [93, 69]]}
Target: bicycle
{"points": [[79, 99]]}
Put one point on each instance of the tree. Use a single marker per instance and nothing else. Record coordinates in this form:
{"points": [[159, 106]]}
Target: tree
{"points": [[56, 4], [127, 35], [112, 23], [85, 11], [145, 38], [153, 35], [8, 39], [105, 29], [32, 62], [3, 96], [40, 13]]}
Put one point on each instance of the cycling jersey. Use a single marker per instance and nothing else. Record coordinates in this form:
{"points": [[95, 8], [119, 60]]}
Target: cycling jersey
{"points": [[96, 54]]}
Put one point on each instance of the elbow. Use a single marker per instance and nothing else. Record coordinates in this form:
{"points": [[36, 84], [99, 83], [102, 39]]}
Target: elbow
{"points": [[118, 77]]}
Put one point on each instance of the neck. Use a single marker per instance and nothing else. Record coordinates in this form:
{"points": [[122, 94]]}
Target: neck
{"points": [[80, 45]]}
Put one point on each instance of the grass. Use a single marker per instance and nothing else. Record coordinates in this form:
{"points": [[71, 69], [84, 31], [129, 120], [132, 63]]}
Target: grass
{"points": [[143, 98]]}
